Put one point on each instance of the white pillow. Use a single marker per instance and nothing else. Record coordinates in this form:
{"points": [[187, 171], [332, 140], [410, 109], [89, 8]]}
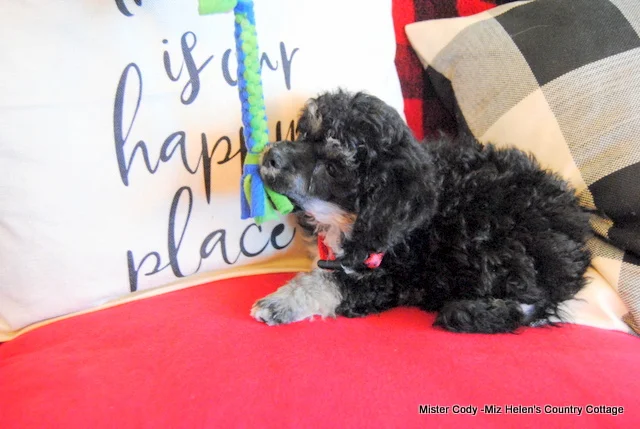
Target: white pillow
{"points": [[85, 84]]}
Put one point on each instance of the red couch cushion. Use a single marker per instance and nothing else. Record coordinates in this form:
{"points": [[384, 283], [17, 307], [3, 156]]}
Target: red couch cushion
{"points": [[195, 359]]}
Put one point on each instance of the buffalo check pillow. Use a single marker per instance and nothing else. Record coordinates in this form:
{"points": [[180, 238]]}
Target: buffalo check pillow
{"points": [[560, 79]]}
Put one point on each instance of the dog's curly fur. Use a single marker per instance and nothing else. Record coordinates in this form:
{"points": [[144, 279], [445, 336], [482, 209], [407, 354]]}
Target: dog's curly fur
{"points": [[481, 235]]}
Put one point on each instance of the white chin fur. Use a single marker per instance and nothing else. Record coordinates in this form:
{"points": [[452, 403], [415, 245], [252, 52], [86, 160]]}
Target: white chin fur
{"points": [[331, 221]]}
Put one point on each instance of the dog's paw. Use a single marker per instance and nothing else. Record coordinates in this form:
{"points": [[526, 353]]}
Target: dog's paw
{"points": [[487, 315], [273, 310], [305, 296]]}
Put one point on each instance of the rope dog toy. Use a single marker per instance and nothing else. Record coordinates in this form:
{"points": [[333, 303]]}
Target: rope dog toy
{"points": [[257, 201]]}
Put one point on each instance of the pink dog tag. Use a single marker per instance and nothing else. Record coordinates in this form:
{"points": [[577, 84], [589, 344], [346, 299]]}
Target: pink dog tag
{"points": [[374, 260]]}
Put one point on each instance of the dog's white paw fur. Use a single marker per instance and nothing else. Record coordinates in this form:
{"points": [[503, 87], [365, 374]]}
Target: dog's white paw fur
{"points": [[306, 295]]}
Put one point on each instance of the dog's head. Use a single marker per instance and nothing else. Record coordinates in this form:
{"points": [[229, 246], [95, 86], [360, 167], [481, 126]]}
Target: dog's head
{"points": [[354, 158]]}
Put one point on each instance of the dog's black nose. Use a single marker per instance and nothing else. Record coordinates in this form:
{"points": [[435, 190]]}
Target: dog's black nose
{"points": [[272, 159]]}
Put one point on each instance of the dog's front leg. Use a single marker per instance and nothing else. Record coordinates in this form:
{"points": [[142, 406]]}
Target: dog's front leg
{"points": [[308, 294]]}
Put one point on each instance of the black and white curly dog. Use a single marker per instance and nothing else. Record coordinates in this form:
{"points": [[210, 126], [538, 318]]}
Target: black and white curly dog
{"points": [[483, 236]]}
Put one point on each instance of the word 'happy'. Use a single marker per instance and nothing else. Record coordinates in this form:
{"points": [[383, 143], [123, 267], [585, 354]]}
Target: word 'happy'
{"points": [[194, 155]]}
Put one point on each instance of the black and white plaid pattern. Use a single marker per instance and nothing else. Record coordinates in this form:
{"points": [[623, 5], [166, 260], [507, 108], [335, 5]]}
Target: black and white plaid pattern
{"points": [[561, 79]]}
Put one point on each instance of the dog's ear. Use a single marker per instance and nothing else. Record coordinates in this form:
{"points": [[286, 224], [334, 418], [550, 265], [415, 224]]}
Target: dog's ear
{"points": [[398, 195], [397, 191], [310, 122]]}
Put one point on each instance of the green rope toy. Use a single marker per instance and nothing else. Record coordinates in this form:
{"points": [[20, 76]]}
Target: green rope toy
{"points": [[257, 201]]}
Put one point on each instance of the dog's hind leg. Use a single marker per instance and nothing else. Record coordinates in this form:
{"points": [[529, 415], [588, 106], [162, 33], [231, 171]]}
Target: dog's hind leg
{"points": [[485, 315]]}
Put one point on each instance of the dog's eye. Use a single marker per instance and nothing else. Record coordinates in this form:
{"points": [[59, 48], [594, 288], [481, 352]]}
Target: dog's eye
{"points": [[331, 169]]}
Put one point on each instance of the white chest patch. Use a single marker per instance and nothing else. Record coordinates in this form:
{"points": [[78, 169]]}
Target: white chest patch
{"points": [[332, 222]]}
